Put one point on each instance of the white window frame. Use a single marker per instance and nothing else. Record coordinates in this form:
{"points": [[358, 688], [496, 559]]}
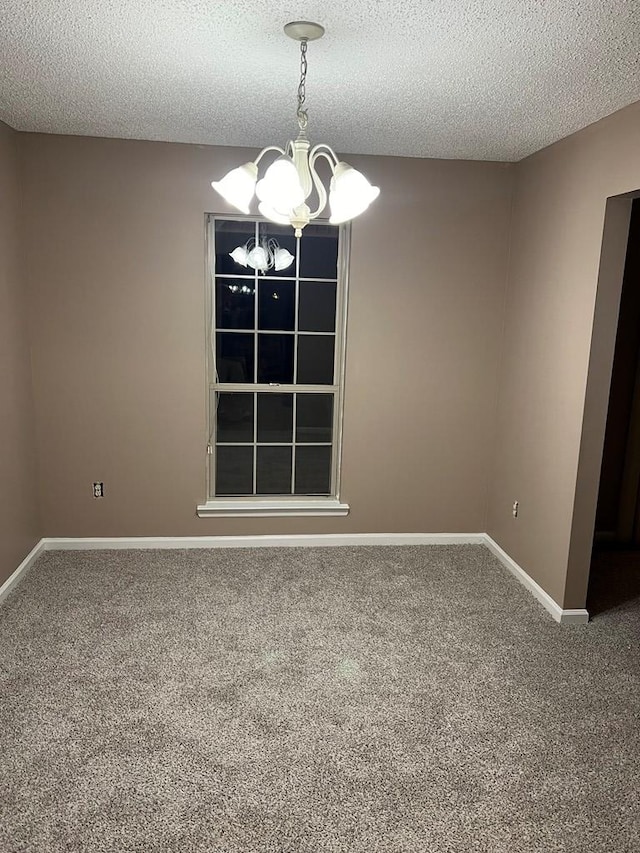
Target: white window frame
{"points": [[262, 506]]}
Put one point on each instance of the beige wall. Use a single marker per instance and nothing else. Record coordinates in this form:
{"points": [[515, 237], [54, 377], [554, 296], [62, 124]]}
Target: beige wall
{"points": [[19, 525], [116, 288], [558, 221], [116, 277]]}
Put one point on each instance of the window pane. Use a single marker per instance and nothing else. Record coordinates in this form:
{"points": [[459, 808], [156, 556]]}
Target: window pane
{"points": [[273, 472], [314, 417], [229, 234], [234, 417], [234, 357], [317, 311], [275, 417], [313, 470], [234, 470], [286, 239], [319, 252], [276, 305], [269, 328], [235, 304], [315, 359], [275, 358]]}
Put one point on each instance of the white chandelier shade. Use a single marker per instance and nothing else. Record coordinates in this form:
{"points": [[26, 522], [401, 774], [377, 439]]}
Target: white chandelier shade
{"points": [[271, 214], [350, 193], [291, 179], [238, 186], [280, 189]]}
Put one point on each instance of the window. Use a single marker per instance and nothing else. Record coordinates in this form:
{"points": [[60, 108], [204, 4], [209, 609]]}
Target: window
{"points": [[276, 356]]}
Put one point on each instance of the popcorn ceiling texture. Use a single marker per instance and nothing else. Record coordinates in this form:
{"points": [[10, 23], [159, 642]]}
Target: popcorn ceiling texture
{"points": [[470, 79]]}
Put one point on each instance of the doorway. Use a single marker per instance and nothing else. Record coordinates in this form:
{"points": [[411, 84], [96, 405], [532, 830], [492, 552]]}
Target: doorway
{"points": [[615, 563]]}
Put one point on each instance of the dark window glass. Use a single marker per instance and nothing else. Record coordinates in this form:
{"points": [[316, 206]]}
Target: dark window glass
{"points": [[276, 305], [313, 470], [234, 357], [275, 417], [273, 471], [286, 239], [317, 309], [275, 358], [319, 252], [234, 417], [314, 417], [229, 235], [235, 303], [315, 359], [234, 470], [269, 327]]}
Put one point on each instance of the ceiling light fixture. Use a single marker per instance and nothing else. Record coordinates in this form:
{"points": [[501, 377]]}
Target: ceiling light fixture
{"points": [[263, 255], [289, 181]]}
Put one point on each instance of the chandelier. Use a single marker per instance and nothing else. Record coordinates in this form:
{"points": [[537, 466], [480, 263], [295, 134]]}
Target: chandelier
{"points": [[262, 255], [290, 180]]}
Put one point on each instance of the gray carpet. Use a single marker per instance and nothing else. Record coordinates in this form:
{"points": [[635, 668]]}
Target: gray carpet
{"points": [[310, 700]]}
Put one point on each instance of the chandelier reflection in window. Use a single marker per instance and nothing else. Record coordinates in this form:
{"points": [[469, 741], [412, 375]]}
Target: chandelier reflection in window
{"points": [[262, 255]]}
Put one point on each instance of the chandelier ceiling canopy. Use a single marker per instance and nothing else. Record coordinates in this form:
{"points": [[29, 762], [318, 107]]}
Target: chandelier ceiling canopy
{"points": [[288, 183]]}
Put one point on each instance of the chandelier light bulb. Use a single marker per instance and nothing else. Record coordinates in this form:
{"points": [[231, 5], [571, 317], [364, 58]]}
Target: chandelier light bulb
{"points": [[284, 193], [238, 186]]}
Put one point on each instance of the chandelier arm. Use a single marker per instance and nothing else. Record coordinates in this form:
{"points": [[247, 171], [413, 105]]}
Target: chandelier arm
{"points": [[317, 152], [323, 148], [267, 149]]}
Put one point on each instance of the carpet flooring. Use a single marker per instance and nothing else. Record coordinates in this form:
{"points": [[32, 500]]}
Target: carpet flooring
{"points": [[378, 699]]}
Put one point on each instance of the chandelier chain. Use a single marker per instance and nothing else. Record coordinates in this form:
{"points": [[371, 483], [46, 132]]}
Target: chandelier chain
{"points": [[302, 87]]}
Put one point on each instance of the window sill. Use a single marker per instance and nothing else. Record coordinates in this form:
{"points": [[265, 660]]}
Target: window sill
{"points": [[241, 508]]}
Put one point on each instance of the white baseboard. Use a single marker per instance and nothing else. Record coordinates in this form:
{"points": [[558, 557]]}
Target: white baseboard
{"points": [[22, 569], [565, 617], [294, 541]]}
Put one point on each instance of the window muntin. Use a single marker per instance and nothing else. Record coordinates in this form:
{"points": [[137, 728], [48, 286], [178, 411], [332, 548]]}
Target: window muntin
{"points": [[276, 364]]}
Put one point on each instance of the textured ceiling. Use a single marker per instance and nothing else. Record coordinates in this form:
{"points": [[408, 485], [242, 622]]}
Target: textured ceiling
{"points": [[477, 79]]}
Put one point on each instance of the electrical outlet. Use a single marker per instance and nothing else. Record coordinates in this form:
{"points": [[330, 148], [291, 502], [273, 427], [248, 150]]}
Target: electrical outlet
{"points": [[98, 490], [516, 507]]}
